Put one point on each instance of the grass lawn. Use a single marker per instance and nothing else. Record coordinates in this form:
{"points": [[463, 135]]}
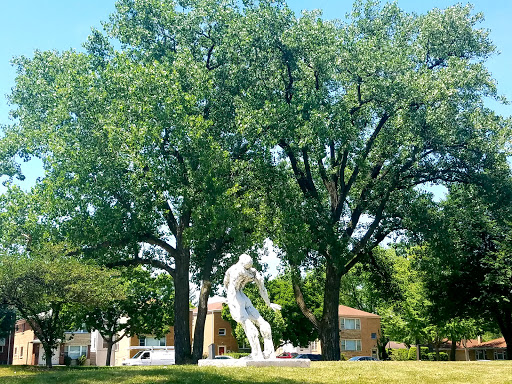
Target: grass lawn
{"points": [[320, 372]]}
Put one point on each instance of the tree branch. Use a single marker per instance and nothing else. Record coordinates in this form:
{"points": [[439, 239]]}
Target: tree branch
{"points": [[299, 298]]}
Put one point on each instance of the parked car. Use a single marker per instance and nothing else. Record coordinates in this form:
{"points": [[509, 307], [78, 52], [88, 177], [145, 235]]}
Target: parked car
{"points": [[310, 356], [223, 357], [152, 357], [287, 355], [362, 358]]}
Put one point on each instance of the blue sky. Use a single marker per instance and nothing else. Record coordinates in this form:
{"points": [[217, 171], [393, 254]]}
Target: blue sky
{"points": [[27, 25]]}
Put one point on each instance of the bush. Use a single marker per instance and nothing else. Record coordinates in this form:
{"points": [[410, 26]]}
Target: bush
{"points": [[237, 355], [81, 360], [443, 356], [423, 353], [399, 354], [67, 360], [343, 357]]}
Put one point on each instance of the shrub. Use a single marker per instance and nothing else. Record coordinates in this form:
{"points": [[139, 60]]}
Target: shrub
{"points": [[81, 360], [67, 360], [443, 356], [399, 354], [343, 357], [423, 353]]}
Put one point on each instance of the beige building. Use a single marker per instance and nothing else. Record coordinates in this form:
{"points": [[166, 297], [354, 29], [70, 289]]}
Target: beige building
{"points": [[475, 349], [216, 331], [359, 332], [126, 348], [27, 349]]}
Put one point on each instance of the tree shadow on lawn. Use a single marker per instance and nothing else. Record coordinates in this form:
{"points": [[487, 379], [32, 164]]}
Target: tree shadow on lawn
{"points": [[150, 375]]}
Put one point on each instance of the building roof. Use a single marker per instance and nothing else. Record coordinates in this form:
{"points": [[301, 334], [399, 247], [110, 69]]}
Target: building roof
{"points": [[447, 344], [217, 306], [395, 345], [345, 311], [496, 343]]}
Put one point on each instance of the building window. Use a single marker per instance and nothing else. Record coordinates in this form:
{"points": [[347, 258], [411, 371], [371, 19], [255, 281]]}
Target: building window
{"points": [[151, 342], [222, 331], [350, 345], [15, 351], [1, 348], [500, 355], [313, 345], [75, 351], [350, 323], [21, 352], [374, 335], [481, 354]]}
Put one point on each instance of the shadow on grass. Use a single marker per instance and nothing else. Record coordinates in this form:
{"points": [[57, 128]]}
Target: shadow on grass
{"points": [[145, 375]]}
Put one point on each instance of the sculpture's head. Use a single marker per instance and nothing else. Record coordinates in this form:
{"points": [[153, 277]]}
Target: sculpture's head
{"points": [[245, 260]]}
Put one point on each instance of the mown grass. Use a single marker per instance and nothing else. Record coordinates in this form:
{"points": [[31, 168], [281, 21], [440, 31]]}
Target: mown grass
{"points": [[320, 372]]}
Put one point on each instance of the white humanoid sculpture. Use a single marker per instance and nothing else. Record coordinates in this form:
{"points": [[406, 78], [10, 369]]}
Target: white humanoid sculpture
{"points": [[242, 310]]}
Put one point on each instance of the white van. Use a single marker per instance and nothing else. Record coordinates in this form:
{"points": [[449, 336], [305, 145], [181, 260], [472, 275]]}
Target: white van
{"points": [[152, 357]]}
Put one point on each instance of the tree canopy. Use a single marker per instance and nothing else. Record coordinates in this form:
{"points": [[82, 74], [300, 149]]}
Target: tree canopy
{"points": [[49, 290]]}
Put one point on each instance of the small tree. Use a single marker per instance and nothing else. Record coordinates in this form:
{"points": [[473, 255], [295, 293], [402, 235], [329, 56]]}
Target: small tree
{"points": [[147, 308], [47, 292]]}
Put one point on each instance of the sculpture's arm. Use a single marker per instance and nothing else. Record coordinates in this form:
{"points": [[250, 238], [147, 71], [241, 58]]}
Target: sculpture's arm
{"points": [[260, 282], [226, 280]]}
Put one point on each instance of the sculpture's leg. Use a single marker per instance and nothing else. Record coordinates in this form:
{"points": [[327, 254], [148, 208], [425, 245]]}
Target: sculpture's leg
{"points": [[266, 333], [252, 334]]}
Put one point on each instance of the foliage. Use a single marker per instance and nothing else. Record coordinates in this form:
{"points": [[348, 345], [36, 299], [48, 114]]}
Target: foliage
{"points": [[443, 356], [297, 330], [399, 354], [147, 308], [358, 119], [423, 353], [474, 252], [212, 108], [48, 290], [81, 360], [67, 360], [138, 146], [7, 320]]}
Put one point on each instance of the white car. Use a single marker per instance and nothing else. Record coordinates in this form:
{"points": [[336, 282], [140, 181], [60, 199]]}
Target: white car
{"points": [[152, 357]]}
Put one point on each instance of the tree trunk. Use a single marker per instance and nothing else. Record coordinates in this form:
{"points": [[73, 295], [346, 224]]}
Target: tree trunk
{"points": [[202, 311], [48, 356], [504, 320], [182, 309], [109, 352], [453, 348], [329, 328], [202, 308]]}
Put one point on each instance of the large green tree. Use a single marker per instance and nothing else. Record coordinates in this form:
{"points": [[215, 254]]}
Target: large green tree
{"points": [[139, 148], [468, 266], [358, 114]]}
